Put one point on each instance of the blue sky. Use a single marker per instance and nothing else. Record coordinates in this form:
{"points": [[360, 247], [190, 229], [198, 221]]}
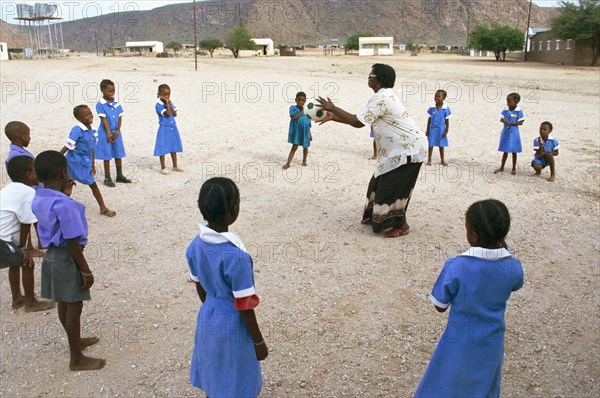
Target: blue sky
{"points": [[76, 9]]}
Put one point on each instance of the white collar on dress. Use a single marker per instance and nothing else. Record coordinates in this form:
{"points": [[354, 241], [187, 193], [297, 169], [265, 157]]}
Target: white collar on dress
{"points": [[518, 108], [487, 254], [550, 137], [84, 127], [209, 235], [444, 106], [159, 101], [103, 101]]}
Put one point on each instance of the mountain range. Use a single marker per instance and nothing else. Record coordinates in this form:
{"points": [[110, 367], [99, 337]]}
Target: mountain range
{"points": [[295, 22]]}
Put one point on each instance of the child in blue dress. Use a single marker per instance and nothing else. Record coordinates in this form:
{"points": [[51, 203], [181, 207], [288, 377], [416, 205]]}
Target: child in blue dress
{"points": [[167, 137], [510, 138], [438, 126], [110, 141], [66, 275], [299, 130], [79, 149], [546, 148], [228, 343], [467, 361]]}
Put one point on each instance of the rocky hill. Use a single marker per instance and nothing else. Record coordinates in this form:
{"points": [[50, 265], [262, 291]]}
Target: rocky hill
{"points": [[299, 22]]}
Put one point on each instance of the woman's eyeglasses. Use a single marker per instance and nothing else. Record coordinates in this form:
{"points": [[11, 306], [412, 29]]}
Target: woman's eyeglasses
{"points": [[372, 75]]}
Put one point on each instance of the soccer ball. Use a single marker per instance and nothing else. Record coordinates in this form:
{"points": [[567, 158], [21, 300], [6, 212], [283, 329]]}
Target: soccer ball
{"points": [[313, 111]]}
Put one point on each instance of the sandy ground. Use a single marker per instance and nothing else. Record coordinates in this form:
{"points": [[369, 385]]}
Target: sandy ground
{"points": [[344, 311]]}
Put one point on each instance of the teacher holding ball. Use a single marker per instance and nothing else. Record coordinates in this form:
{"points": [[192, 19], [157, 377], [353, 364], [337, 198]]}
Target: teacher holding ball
{"points": [[401, 149]]}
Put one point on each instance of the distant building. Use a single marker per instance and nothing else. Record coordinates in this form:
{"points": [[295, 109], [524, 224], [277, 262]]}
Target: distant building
{"points": [[144, 47], [375, 46], [3, 52], [546, 47], [532, 32], [266, 46]]}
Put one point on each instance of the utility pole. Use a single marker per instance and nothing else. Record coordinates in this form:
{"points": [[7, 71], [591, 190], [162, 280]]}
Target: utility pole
{"points": [[195, 39], [527, 31]]}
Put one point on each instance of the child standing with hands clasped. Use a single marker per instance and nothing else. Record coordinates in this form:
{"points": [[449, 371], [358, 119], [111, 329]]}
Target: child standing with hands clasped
{"points": [[79, 151], [510, 138], [546, 148], [167, 137], [228, 343], [467, 361], [299, 130], [438, 126], [110, 141], [66, 275]]}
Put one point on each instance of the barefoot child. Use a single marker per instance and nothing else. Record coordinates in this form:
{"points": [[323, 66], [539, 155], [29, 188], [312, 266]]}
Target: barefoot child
{"points": [[228, 343], [510, 138], [167, 137], [546, 148], [16, 218], [299, 130], [438, 126], [80, 148], [66, 276], [110, 140], [467, 361]]}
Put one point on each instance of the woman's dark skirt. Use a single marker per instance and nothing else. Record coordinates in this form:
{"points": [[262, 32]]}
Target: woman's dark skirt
{"points": [[388, 197]]}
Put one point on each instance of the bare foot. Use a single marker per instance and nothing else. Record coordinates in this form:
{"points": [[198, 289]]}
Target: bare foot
{"points": [[428, 163], [304, 164], [537, 174], [444, 164], [36, 306], [551, 178], [107, 212], [88, 341], [513, 172], [178, 169], [500, 170], [287, 166], [164, 172], [87, 363], [374, 157], [18, 303]]}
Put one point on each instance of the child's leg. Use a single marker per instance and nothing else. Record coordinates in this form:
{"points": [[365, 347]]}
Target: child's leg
{"points": [[37, 233], [374, 149], [550, 160], [14, 279], [105, 211], [70, 317], [291, 156], [174, 160], [120, 176], [162, 162], [107, 180], [538, 169], [31, 303], [304, 156], [514, 164], [429, 153], [442, 156], [502, 163]]}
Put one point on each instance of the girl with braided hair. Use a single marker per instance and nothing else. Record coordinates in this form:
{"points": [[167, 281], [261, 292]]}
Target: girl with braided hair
{"points": [[467, 361], [228, 343]]}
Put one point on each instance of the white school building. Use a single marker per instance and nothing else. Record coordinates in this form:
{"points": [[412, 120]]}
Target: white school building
{"points": [[375, 46]]}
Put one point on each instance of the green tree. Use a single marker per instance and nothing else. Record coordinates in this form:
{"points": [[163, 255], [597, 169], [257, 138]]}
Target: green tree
{"points": [[413, 48], [175, 45], [580, 22], [210, 45], [498, 39], [352, 42], [240, 38]]}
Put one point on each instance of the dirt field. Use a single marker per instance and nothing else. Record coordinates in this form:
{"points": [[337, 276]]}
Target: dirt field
{"points": [[344, 311]]}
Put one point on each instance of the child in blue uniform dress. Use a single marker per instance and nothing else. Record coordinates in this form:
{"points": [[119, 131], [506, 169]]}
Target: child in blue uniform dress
{"points": [[510, 138], [299, 131], [228, 343], [19, 135], [167, 137], [110, 141], [467, 361], [546, 148], [66, 275], [79, 151], [438, 126]]}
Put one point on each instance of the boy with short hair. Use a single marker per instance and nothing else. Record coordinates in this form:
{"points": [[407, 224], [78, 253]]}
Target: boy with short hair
{"points": [[546, 148], [19, 135], [16, 218]]}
